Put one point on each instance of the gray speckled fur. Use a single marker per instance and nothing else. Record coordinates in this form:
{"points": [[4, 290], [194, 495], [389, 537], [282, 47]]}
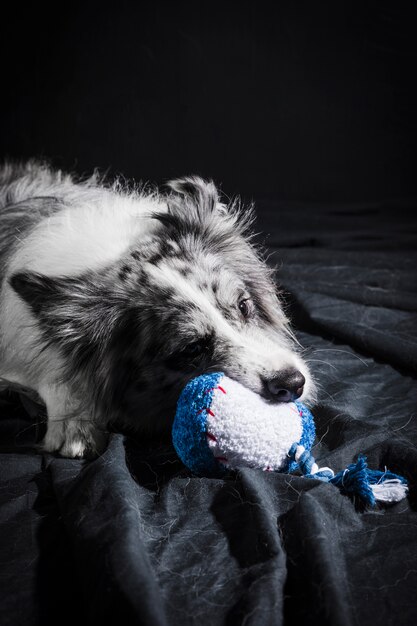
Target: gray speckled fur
{"points": [[117, 340]]}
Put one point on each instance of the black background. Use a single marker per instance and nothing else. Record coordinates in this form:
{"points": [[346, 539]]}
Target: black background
{"points": [[296, 100]]}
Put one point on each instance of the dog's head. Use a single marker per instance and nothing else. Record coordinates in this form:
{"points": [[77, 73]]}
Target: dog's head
{"points": [[192, 296]]}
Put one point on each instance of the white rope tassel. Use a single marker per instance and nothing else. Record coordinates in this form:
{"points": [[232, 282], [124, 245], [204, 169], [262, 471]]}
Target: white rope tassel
{"points": [[392, 490]]}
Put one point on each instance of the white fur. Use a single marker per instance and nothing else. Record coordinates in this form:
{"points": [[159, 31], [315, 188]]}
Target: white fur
{"points": [[86, 236]]}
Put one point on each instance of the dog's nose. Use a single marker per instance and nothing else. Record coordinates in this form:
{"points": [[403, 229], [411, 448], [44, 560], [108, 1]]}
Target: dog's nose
{"points": [[287, 386]]}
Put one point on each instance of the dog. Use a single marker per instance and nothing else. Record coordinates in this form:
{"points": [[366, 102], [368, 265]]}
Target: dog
{"points": [[113, 297]]}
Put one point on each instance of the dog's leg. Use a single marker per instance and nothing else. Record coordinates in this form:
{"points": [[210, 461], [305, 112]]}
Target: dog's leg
{"points": [[71, 432]]}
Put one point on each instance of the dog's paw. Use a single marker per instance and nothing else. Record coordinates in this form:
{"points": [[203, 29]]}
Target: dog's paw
{"points": [[76, 449], [74, 439], [54, 438]]}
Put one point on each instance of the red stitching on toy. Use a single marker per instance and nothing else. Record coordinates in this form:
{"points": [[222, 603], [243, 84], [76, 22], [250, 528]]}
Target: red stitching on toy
{"points": [[211, 436], [214, 389], [209, 411]]}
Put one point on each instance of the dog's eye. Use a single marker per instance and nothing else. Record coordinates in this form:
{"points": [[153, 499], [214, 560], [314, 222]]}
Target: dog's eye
{"points": [[245, 307]]}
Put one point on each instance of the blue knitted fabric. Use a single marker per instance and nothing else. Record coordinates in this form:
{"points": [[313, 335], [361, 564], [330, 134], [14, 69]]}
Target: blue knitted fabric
{"points": [[189, 428], [308, 435]]}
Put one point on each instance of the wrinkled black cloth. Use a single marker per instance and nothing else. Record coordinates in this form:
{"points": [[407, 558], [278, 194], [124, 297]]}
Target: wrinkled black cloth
{"points": [[134, 537]]}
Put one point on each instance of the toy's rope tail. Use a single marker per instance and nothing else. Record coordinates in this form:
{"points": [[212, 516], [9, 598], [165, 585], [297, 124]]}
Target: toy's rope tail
{"points": [[370, 486]]}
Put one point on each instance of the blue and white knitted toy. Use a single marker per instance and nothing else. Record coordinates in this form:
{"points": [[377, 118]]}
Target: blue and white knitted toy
{"points": [[220, 425]]}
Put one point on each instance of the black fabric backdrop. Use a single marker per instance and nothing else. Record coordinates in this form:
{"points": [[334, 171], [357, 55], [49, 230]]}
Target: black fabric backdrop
{"points": [[134, 537], [310, 109]]}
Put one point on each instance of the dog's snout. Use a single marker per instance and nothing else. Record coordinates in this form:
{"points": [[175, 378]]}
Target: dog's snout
{"points": [[286, 386]]}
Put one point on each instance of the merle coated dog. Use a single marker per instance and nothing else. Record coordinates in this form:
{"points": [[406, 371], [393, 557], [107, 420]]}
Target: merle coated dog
{"points": [[112, 298]]}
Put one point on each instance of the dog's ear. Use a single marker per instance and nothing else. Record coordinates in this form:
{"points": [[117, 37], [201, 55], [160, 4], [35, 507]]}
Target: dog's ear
{"points": [[195, 201], [76, 312], [37, 290], [200, 193], [61, 296]]}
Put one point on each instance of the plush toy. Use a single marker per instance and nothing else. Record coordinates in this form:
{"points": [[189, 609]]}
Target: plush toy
{"points": [[221, 425]]}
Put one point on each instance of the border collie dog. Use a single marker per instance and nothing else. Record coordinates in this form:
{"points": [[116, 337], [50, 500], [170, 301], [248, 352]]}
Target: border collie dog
{"points": [[112, 298]]}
